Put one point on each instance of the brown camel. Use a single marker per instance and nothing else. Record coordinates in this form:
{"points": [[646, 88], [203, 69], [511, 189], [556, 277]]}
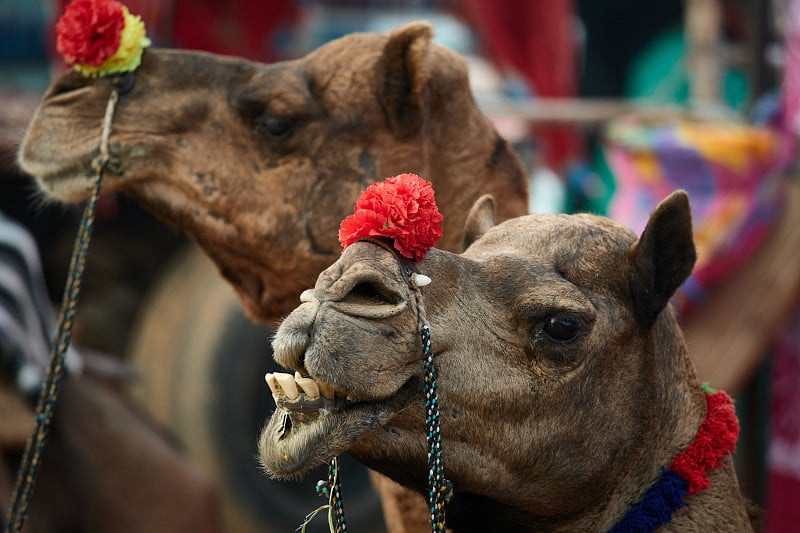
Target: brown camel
{"points": [[259, 163], [564, 381]]}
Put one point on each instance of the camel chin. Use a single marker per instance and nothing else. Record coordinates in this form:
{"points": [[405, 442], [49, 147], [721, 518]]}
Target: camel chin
{"points": [[65, 179], [66, 188], [318, 423]]}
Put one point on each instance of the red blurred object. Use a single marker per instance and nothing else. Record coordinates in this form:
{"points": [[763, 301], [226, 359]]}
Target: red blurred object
{"points": [[535, 39], [235, 27], [242, 27], [783, 476]]}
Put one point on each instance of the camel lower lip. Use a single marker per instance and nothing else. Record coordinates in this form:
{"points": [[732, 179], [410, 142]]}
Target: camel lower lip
{"points": [[67, 180], [290, 452], [68, 185]]}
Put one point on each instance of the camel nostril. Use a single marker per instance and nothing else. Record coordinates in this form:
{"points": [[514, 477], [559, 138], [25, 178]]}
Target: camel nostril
{"points": [[369, 293]]}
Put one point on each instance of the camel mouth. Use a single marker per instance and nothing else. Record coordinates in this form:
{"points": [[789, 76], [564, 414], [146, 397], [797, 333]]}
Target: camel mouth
{"points": [[314, 422]]}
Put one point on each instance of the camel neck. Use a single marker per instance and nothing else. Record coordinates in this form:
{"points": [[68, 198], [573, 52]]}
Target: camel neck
{"points": [[687, 473]]}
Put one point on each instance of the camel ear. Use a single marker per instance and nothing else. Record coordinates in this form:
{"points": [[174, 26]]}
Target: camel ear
{"points": [[479, 220], [662, 258], [402, 74]]}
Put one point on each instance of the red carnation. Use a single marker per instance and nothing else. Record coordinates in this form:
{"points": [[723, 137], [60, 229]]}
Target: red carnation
{"points": [[89, 31], [401, 208]]}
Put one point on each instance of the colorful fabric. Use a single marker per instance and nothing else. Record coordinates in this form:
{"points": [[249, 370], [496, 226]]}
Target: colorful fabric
{"points": [[732, 173], [688, 472]]}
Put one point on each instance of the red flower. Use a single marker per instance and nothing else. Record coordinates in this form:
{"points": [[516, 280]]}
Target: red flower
{"points": [[89, 31], [401, 208]]}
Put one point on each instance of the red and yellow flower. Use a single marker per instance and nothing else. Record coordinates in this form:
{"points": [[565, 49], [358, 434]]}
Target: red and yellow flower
{"points": [[99, 37]]}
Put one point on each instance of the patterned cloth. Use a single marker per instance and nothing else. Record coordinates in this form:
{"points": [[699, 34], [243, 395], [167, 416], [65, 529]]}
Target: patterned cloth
{"points": [[733, 176], [27, 320]]}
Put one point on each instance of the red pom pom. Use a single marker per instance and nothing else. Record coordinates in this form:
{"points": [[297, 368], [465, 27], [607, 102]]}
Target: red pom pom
{"points": [[715, 439], [89, 31], [401, 208]]}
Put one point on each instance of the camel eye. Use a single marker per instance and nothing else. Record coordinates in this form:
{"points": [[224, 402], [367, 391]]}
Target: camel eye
{"points": [[277, 127], [562, 329]]}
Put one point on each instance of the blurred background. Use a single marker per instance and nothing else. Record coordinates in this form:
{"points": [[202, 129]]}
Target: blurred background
{"points": [[610, 104]]}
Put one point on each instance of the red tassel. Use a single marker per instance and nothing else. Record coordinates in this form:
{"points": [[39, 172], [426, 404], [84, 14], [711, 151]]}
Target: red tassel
{"points": [[715, 439]]}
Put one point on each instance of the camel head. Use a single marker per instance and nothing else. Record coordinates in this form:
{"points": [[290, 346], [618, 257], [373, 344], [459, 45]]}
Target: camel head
{"points": [[563, 377], [258, 163]]}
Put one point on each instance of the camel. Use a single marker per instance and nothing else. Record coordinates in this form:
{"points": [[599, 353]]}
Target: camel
{"points": [[258, 163], [564, 382]]}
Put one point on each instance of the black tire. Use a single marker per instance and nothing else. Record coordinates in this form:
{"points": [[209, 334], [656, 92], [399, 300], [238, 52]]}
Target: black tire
{"points": [[203, 364]]}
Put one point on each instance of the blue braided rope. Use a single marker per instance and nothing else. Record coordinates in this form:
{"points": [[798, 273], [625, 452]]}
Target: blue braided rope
{"points": [[335, 486], [438, 487], [31, 459]]}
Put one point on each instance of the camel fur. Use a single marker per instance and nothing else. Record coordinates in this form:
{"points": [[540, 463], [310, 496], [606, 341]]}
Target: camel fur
{"points": [[564, 380]]}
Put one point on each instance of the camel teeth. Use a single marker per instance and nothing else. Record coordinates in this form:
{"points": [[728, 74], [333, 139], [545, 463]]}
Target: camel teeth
{"points": [[273, 383], [325, 389], [421, 280], [307, 295], [286, 382], [308, 385]]}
